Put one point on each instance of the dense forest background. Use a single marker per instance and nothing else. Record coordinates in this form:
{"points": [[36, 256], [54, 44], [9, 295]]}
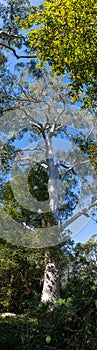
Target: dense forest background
{"points": [[73, 321]]}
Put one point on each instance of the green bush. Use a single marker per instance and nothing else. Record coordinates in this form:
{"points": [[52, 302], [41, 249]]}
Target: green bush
{"points": [[62, 328]]}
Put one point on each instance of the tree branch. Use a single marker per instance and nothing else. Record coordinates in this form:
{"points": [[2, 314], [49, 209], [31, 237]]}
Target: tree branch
{"points": [[66, 166], [14, 51], [80, 213], [33, 99], [71, 167], [29, 149], [59, 115], [11, 36], [38, 125], [34, 123]]}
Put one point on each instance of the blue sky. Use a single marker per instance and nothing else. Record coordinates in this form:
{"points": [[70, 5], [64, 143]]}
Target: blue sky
{"points": [[36, 2]]}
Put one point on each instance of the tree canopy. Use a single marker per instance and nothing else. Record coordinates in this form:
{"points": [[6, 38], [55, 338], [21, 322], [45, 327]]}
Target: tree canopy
{"points": [[60, 33], [64, 34]]}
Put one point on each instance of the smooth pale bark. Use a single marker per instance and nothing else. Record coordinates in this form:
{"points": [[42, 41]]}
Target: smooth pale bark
{"points": [[51, 286], [53, 177], [51, 283]]}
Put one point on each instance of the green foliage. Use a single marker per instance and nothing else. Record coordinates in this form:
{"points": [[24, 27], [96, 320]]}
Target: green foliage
{"points": [[21, 273], [38, 179], [6, 155], [92, 151], [64, 34], [64, 327], [72, 324]]}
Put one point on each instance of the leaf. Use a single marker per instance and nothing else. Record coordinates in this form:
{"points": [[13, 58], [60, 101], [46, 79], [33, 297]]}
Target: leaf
{"points": [[48, 339]]}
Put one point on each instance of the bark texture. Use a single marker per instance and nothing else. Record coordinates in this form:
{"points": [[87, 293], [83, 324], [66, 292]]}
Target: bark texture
{"points": [[51, 286], [51, 274]]}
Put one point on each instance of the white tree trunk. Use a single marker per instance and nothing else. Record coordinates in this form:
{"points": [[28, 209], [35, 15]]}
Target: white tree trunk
{"points": [[51, 283], [51, 286]]}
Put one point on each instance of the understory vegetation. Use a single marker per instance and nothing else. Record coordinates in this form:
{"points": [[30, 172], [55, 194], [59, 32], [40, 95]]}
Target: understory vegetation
{"points": [[72, 323]]}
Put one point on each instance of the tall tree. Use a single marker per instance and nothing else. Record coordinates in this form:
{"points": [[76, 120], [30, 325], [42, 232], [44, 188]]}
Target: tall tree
{"points": [[42, 111]]}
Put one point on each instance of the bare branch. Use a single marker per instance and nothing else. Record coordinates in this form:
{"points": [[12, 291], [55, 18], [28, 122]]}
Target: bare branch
{"points": [[64, 102], [66, 166], [59, 115], [33, 99], [80, 213], [30, 149], [90, 132], [81, 163], [14, 51], [27, 96], [38, 125], [71, 167], [11, 36], [59, 127]]}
